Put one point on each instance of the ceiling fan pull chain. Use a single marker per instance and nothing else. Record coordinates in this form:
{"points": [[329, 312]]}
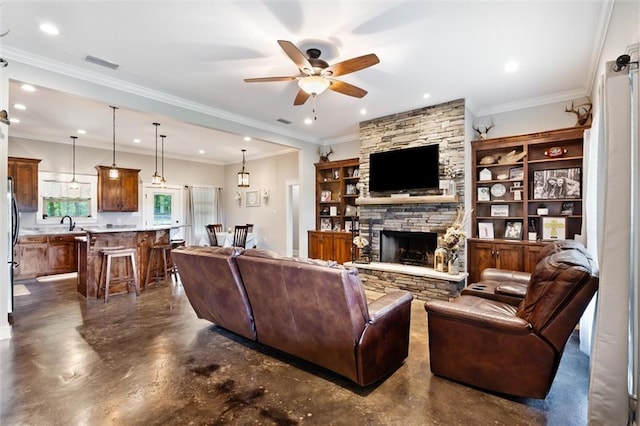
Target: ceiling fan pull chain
{"points": [[314, 107]]}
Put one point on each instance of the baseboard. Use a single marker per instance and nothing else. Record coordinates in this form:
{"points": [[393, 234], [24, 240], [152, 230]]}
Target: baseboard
{"points": [[5, 332]]}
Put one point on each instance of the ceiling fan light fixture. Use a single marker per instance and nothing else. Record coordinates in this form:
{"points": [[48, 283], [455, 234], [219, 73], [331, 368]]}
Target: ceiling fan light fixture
{"points": [[314, 84]]}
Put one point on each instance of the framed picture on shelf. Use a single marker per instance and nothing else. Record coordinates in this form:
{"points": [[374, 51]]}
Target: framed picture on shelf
{"points": [[483, 193], [500, 210], [325, 196], [336, 174], [556, 184], [513, 230], [516, 173], [325, 224], [324, 211], [554, 228], [356, 173], [485, 230], [347, 226], [350, 189], [333, 211]]}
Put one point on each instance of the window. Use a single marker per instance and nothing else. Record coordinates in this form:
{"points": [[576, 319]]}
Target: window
{"points": [[57, 198], [162, 206]]}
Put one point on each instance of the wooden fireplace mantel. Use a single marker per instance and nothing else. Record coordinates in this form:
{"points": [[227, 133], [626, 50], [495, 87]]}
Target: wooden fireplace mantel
{"points": [[420, 199]]}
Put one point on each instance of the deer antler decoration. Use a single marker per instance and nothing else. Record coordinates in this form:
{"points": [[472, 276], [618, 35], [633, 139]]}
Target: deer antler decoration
{"points": [[582, 111], [324, 155], [483, 133]]}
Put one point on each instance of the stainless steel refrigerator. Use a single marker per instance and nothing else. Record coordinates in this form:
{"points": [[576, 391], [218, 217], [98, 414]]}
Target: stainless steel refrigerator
{"points": [[12, 238]]}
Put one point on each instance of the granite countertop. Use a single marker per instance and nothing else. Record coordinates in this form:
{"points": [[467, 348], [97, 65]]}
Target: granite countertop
{"points": [[79, 231]]}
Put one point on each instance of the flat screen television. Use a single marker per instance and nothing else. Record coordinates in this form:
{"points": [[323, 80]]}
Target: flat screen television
{"points": [[406, 169]]}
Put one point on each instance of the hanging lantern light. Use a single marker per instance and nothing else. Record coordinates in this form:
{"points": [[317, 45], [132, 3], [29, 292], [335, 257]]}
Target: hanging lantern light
{"points": [[114, 173], [243, 176], [74, 183]]}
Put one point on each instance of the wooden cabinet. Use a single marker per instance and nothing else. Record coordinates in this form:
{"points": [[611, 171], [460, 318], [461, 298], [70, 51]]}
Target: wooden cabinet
{"points": [[511, 178], [117, 195], [484, 255], [31, 257], [24, 172], [336, 211], [62, 254], [44, 255], [329, 245]]}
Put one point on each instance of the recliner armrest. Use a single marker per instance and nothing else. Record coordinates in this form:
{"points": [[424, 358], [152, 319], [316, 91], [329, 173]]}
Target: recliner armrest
{"points": [[512, 289], [481, 312], [388, 302], [495, 274]]}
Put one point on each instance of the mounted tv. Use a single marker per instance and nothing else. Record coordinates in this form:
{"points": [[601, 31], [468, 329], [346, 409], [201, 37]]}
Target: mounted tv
{"points": [[405, 169]]}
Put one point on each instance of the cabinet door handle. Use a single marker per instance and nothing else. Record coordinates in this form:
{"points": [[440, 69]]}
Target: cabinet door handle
{"points": [[497, 253]]}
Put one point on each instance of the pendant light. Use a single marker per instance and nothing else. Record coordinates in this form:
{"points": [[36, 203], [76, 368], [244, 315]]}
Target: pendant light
{"points": [[243, 177], [155, 178], [74, 183], [163, 181], [114, 173]]}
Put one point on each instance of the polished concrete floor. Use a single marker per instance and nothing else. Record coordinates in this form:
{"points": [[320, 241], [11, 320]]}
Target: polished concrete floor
{"points": [[150, 361]]}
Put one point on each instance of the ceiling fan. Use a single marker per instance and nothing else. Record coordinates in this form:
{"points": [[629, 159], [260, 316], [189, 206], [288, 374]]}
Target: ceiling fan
{"points": [[316, 75]]}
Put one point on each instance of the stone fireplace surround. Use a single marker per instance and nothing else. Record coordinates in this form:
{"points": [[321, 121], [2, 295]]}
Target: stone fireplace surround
{"points": [[442, 124]]}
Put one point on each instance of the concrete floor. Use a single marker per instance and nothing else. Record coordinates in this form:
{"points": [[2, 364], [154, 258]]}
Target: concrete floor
{"points": [[150, 361]]}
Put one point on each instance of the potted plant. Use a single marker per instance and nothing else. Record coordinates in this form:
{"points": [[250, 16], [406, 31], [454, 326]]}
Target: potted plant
{"points": [[542, 209]]}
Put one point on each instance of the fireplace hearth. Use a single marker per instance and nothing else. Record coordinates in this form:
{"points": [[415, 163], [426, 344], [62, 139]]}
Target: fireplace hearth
{"points": [[408, 248]]}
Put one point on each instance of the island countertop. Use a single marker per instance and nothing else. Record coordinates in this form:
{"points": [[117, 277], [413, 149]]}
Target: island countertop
{"points": [[90, 258]]}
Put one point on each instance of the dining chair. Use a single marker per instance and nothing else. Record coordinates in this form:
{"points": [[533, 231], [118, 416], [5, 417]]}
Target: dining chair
{"points": [[249, 227], [240, 235], [211, 231]]}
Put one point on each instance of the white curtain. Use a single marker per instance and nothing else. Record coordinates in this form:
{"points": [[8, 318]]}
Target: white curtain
{"points": [[203, 206], [610, 373]]}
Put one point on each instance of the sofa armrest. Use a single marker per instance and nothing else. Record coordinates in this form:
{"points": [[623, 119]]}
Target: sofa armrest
{"points": [[516, 289], [495, 274], [480, 312], [386, 303]]}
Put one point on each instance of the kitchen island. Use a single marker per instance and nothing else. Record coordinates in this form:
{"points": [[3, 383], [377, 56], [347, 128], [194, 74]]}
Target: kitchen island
{"points": [[90, 258]]}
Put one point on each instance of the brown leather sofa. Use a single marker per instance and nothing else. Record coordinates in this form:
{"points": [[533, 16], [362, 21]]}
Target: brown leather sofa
{"points": [[212, 283], [510, 349], [312, 309]]}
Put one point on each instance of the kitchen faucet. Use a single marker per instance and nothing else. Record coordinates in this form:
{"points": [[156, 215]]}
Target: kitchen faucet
{"points": [[72, 224]]}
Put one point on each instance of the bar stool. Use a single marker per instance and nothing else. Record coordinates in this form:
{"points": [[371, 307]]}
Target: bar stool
{"points": [[173, 269], [109, 253], [154, 251]]}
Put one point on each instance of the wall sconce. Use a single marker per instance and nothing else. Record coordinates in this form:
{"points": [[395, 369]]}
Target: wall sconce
{"points": [[265, 195], [238, 197], [4, 117]]}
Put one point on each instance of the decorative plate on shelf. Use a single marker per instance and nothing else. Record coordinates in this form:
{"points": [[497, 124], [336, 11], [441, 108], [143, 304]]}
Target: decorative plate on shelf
{"points": [[498, 190]]}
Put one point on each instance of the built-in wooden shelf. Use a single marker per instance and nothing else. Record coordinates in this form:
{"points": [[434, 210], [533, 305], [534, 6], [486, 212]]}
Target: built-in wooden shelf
{"points": [[421, 199]]}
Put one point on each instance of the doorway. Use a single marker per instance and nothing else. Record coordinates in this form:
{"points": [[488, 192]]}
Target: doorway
{"points": [[162, 206], [293, 222]]}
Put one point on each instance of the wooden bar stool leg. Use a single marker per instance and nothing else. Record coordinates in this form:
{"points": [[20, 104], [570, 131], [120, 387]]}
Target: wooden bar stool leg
{"points": [[134, 268], [164, 264], [108, 278], [146, 277]]}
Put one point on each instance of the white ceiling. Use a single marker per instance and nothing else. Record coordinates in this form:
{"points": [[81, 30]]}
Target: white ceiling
{"points": [[197, 54]]}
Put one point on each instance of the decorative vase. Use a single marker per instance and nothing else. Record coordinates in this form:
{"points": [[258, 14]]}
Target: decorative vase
{"points": [[452, 187], [454, 265]]}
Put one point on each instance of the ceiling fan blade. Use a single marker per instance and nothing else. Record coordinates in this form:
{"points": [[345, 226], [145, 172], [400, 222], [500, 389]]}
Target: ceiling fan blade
{"points": [[265, 79], [347, 89], [351, 65], [301, 97], [296, 56]]}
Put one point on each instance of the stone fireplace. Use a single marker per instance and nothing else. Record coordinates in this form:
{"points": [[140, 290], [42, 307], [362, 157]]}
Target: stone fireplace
{"points": [[408, 248]]}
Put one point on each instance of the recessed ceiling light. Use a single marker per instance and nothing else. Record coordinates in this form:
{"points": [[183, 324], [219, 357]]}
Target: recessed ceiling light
{"points": [[136, 140], [28, 88], [511, 66], [247, 138], [201, 151], [49, 28], [20, 107], [14, 120], [81, 132], [363, 111], [308, 121], [426, 95]]}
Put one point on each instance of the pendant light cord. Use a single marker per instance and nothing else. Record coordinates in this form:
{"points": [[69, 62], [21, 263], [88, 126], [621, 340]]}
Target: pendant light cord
{"points": [[162, 167], [156, 125], [114, 136], [74, 157]]}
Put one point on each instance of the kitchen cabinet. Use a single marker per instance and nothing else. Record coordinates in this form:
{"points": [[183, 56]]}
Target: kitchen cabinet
{"points": [[24, 172], [41, 255], [62, 254], [117, 195], [329, 245]]}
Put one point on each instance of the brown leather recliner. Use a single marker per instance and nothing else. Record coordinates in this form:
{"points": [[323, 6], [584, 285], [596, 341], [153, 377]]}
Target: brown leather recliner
{"points": [[507, 349]]}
